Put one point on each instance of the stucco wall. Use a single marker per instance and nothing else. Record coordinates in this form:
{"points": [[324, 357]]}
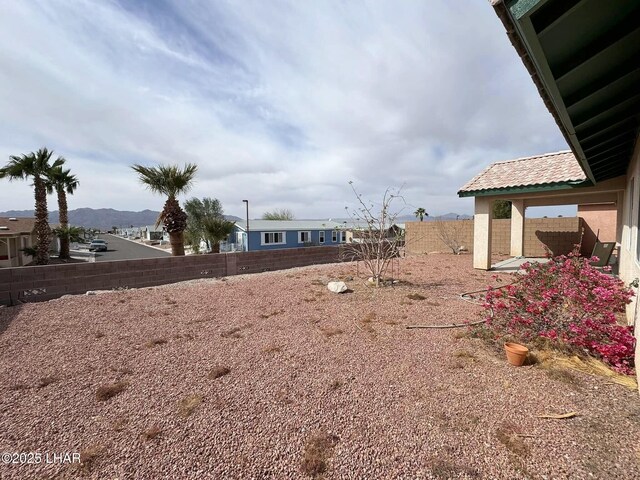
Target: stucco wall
{"points": [[600, 221], [629, 256], [558, 234]]}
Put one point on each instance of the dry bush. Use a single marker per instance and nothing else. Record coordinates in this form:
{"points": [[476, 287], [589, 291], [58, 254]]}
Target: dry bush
{"points": [[232, 333], [188, 404], [464, 354], [416, 296], [336, 384], [331, 331], [43, 382], [508, 434], [316, 453], [447, 470], [317, 282], [151, 433], [218, 371], [156, 341], [105, 392], [120, 424]]}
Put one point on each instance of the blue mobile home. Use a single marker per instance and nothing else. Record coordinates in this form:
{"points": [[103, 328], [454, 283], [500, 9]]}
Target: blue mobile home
{"points": [[275, 234]]}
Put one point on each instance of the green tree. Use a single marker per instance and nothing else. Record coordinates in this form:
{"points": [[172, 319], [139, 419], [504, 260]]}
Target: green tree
{"points": [[501, 209], [279, 214], [170, 180], [36, 166], [217, 230], [62, 182], [198, 211], [421, 213]]}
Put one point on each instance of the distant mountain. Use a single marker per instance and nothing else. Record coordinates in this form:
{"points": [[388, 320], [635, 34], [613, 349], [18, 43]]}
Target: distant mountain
{"points": [[102, 218]]}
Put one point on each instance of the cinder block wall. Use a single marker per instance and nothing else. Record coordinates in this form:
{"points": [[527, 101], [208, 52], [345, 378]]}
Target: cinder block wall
{"points": [[38, 283], [558, 234]]}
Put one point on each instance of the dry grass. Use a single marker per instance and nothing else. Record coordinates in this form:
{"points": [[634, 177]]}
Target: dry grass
{"points": [[272, 349], [105, 392], [99, 334], [461, 333], [218, 371], [336, 384], [317, 282], [44, 381], [272, 314], [442, 469], [465, 354], [331, 331], [154, 342], [416, 296], [188, 404], [317, 451], [151, 433], [232, 333], [120, 424], [90, 455], [369, 317], [18, 386], [509, 435]]}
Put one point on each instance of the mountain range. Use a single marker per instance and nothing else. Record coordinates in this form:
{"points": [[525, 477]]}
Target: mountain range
{"points": [[105, 218]]}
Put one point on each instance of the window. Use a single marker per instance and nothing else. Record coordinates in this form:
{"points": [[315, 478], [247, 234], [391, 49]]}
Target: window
{"points": [[630, 216], [304, 237], [273, 238], [334, 236], [343, 236], [321, 236]]}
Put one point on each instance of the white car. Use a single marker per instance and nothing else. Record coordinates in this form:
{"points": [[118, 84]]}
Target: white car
{"points": [[98, 245]]}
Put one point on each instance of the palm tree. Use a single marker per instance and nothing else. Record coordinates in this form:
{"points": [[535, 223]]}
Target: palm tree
{"points": [[421, 213], [216, 230], [62, 182], [171, 181], [35, 165]]}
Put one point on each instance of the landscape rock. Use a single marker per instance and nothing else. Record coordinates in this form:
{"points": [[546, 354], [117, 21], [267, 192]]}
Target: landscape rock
{"points": [[337, 287]]}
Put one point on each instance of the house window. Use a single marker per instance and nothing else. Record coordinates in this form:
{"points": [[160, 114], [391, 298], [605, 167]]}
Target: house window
{"points": [[304, 237], [343, 236], [321, 236], [273, 238], [334, 236]]}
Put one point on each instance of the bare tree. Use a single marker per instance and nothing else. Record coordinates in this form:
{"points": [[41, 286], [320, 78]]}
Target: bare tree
{"points": [[376, 240], [279, 214], [450, 232]]}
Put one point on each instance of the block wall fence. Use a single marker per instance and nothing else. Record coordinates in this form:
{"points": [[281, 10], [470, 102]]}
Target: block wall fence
{"points": [[45, 282], [557, 234]]}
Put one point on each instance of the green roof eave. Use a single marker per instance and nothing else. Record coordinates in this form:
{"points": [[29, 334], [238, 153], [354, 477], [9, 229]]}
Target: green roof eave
{"points": [[547, 187]]}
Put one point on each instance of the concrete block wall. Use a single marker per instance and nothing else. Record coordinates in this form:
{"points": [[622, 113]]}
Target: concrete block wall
{"points": [[37, 283], [558, 234]]}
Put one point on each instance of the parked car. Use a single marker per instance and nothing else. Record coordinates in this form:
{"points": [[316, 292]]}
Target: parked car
{"points": [[98, 245]]}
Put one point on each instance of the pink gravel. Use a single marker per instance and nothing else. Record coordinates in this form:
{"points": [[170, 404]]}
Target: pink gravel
{"points": [[398, 403]]}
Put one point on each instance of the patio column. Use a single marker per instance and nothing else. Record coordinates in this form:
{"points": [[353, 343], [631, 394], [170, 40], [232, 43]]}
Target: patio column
{"points": [[482, 233], [517, 228]]}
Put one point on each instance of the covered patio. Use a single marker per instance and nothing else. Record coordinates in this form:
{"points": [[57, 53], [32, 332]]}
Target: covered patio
{"points": [[544, 180]]}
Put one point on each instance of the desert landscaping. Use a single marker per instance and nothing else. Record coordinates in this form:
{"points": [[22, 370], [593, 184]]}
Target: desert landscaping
{"points": [[273, 376]]}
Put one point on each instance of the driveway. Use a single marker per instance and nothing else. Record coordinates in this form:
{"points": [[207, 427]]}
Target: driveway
{"points": [[121, 249]]}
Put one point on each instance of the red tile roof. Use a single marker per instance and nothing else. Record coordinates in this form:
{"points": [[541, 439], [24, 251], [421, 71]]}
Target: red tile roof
{"points": [[539, 170]]}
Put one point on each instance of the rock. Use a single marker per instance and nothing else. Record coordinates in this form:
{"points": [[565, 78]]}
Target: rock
{"points": [[337, 287]]}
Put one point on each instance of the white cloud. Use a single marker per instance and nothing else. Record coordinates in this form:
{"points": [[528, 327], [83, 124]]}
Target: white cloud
{"points": [[279, 102]]}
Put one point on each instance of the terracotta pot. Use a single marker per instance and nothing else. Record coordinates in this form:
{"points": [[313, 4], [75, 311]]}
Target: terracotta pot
{"points": [[516, 353]]}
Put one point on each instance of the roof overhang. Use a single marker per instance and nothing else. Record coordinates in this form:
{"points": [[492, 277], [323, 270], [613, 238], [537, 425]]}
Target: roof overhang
{"points": [[549, 187], [584, 57]]}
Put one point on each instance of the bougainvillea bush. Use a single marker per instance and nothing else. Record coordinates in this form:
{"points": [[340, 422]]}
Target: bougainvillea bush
{"points": [[566, 302]]}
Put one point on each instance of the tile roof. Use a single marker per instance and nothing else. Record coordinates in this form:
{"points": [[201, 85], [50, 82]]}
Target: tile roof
{"points": [[16, 226], [540, 170]]}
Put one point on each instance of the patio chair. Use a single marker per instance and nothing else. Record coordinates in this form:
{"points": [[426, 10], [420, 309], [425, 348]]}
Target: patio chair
{"points": [[603, 251]]}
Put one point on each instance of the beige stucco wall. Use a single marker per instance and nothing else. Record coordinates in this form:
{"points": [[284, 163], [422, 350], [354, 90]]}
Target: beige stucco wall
{"points": [[629, 261]]}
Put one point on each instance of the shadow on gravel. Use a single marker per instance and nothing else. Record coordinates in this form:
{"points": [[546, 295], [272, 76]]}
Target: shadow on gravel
{"points": [[7, 314]]}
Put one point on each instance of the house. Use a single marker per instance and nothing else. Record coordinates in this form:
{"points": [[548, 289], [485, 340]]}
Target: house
{"points": [[274, 234], [153, 233], [584, 58], [16, 234]]}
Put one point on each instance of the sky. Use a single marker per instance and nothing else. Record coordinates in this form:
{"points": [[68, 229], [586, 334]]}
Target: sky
{"points": [[281, 103]]}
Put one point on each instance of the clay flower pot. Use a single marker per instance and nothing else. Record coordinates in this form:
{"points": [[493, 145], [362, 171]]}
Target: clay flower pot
{"points": [[516, 353]]}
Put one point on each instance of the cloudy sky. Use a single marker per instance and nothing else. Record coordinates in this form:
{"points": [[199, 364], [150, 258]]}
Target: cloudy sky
{"points": [[282, 103]]}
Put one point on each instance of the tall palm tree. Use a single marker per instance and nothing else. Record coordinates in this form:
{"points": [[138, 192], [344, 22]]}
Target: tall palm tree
{"points": [[170, 180], [62, 182], [421, 213], [36, 166]]}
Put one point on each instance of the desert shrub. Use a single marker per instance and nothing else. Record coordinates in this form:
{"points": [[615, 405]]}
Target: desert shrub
{"points": [[566, 302]]}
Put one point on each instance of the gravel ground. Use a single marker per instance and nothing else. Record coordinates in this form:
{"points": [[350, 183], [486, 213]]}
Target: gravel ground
{"points": [[303, 364]]}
